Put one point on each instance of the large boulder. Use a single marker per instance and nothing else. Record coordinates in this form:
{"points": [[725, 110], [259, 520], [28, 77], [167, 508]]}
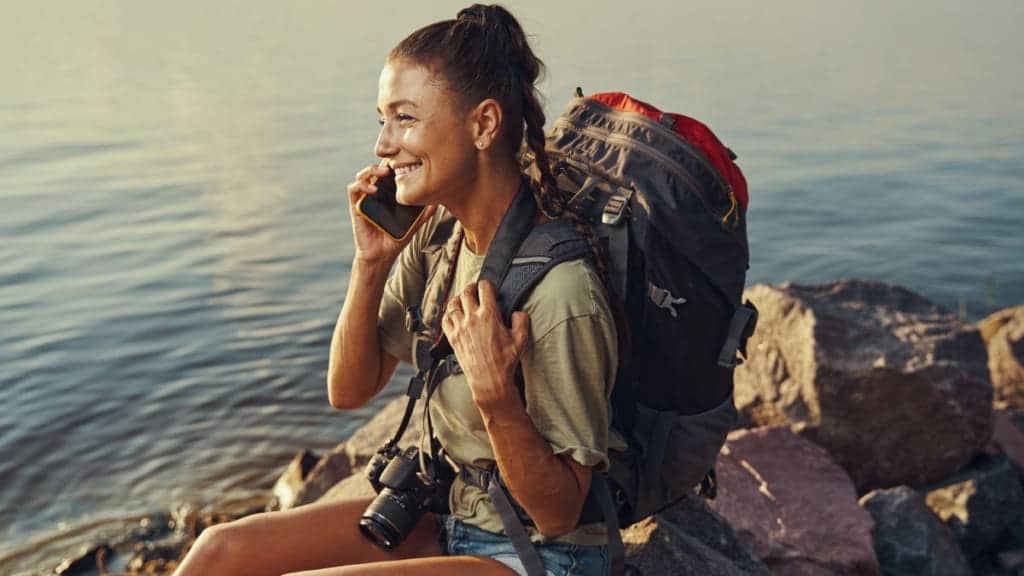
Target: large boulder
{"points": [[910, 540], [1003, 333], [980, 502], [689, 539], [793, 505], [894, 387]]}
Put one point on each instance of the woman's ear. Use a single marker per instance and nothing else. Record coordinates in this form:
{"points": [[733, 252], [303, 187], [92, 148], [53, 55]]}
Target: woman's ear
{"points": [[487, 118]]}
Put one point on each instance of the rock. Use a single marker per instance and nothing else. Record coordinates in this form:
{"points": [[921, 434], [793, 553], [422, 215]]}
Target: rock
{"points": [[288, 485], [980, 502], [326, 473], [1003, 333], [89, 561], [910, 540], [351, 456], [355, 486], [895, 388], [1007, 439], [155, 558], [779, 490], [689, 539], [1008, 552]]}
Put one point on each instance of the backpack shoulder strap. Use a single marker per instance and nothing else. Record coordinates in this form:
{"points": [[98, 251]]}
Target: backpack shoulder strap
{"points": [[548, 245]]}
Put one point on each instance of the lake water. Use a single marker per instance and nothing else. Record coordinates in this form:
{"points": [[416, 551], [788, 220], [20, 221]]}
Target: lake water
{"points": [[174, 242]]}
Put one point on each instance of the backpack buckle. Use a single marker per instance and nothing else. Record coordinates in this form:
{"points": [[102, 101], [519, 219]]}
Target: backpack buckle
{"points": [[663, 298], [414, 319], [614, 209]]}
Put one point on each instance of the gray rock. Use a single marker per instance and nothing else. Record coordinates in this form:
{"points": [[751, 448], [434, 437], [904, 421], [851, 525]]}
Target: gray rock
{"points": [[689, 539], [793, 505], [895, 388], [1003, 333], [910, 540], [979, 503], [292, 480]]}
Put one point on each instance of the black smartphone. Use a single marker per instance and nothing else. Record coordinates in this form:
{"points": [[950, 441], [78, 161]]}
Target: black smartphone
{"points": [[383, 210]]}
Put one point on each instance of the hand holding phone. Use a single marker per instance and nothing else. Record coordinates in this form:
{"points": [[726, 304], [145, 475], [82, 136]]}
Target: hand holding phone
{"points": [[385, 213]]}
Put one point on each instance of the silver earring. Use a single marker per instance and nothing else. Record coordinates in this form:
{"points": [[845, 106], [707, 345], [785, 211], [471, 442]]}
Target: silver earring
{"points": [[480, 144]]}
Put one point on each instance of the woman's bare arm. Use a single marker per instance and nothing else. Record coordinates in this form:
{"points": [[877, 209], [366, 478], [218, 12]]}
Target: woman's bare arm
{"points": [[359, 367], [552, 489]]}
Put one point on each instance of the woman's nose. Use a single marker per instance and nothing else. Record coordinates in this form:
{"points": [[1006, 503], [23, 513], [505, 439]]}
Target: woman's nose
{"points": [[385, 146]]}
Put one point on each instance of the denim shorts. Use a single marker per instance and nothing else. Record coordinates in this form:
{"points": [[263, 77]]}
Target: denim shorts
{"points": [[560, 559]]}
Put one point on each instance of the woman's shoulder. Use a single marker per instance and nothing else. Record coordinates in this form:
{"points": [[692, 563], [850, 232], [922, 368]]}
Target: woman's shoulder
{"points": [[569, 290]]}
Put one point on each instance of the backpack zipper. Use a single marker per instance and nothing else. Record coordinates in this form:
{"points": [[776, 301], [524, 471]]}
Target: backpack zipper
{"points": [[635, 118], [628, 142]]}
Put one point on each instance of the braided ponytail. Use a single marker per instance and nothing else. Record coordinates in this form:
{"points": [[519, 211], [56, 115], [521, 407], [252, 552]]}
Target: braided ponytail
{"points": [[554, 201]]}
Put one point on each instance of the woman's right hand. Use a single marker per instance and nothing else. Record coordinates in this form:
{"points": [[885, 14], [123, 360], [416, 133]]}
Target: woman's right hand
{"points": [[373, 245]]}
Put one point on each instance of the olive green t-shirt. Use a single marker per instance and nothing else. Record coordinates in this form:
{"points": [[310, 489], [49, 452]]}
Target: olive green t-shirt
{"points": [[568, 367]]}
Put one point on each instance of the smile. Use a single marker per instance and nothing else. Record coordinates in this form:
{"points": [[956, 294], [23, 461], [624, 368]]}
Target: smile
{"points": [[407, 169]]}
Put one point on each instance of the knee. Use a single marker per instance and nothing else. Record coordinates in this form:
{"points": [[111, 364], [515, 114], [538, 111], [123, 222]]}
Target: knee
{"points": [[216, 551]]}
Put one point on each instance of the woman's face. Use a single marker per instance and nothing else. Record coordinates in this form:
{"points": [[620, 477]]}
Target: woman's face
{"points": [[426, 138]]}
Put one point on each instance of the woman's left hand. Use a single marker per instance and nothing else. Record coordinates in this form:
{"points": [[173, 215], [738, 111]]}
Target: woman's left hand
{"points": [[487, 351]]}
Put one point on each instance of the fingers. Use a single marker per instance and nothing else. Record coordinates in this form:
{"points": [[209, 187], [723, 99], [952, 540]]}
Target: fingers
{"points": [[364, 182], [488, 295], [520, 331], [468, 298]]}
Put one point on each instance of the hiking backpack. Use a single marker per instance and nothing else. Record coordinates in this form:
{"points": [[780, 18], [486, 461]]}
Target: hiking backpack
{"points": [[669, 204]]}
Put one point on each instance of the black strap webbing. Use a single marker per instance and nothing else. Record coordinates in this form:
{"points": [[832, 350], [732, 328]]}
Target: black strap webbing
{"points": [[742, 325], [602, 491]]}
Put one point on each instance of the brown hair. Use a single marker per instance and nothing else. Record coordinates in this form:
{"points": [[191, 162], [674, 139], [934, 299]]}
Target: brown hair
{"points": [[484, 53]]}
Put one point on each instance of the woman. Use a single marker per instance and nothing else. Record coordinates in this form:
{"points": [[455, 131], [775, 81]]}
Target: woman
{"points": [[456, 99]]}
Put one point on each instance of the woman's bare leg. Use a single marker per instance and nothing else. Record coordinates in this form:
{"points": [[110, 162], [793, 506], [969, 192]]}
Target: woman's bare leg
{"points": [[440, 566], [317, 535]]}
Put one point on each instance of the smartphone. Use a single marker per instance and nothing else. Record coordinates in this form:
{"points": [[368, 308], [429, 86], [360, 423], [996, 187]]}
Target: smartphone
{"points": [[383, 210]]}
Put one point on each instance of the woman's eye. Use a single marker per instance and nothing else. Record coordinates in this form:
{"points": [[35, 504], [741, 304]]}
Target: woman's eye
{"points": [[403, 117]]}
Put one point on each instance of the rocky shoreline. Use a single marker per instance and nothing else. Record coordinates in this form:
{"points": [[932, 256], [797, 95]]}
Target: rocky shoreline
{"points": [[880, 435]]}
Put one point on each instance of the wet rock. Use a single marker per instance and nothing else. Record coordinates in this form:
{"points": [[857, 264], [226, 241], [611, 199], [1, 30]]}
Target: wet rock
{"points": [[910, 540], [155, 558], [291, 481], [689, 539], [980, 502], [895, 388], [90, 561], [793, 505], [1003, 333]]}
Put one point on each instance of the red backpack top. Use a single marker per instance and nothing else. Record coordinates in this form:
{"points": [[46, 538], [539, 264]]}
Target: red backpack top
{"points": [[690, 130]]}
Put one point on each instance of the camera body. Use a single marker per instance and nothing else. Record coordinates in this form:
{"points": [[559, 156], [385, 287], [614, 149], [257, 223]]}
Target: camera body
{"points": [[403, 495]]}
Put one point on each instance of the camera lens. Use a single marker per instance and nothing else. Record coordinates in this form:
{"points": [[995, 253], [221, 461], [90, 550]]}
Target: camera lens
{"points": [[390, 518], [379, 531]]}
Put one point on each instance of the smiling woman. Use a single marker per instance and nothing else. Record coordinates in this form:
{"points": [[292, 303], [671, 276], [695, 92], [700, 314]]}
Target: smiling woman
{"points": [[519, 412]]}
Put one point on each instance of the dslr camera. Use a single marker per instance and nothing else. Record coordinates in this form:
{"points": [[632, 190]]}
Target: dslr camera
{"points": [[403, 495]]}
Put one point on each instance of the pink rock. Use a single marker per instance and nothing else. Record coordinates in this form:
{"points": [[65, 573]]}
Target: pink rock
{"points": [[793, 505]]}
